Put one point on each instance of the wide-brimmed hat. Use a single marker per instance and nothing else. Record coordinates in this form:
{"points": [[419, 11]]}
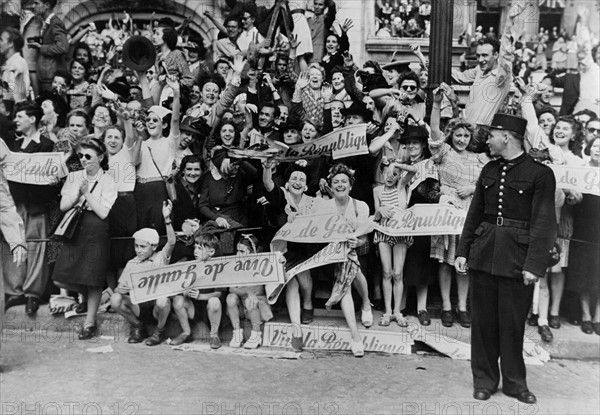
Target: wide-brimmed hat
{"points": [[139, 53], [510, 123], [401, 65], [358, 108], [371, 81], [414, 132]]}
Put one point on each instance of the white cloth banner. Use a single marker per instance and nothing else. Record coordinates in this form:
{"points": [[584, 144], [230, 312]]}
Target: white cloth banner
{"points": [[581, 179], [345, 142], [35, 168], [425, 219], [228, 271]]}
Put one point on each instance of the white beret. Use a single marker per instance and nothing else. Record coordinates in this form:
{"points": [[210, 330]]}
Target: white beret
{"points": [[147, 234]]}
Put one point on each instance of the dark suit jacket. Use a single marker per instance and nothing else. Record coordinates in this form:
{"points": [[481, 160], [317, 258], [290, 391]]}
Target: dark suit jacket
{"points": [[525, 193], [53, 52]]}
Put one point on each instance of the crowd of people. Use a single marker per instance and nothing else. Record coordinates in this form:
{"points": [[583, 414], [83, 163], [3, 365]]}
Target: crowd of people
{"points": [[403, 18], [149, 154]]}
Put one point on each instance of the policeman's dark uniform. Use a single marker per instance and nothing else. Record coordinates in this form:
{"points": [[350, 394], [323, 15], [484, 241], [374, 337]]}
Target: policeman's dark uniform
{"points": [[510, 227]]}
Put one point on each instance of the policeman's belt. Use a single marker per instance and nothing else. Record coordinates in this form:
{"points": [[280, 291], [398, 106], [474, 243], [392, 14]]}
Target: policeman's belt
{"points": [[501, 221]]}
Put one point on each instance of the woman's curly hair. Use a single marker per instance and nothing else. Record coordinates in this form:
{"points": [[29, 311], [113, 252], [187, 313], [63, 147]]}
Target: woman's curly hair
{"points": [[576, 142], [341, 168], [456, 123]]}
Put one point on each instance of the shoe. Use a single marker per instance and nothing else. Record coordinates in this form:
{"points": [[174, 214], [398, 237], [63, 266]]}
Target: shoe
{"points": [[358, 349], [306, 316], [587, 327], [157, 337], [554, 321], [525, 397], [533, 320], [182, 338], [384, 320], [481, 394], [400, 319], [33, 304], [366, 317], [254, 341], [81, 308], [15, 300], [546, 334], [238, 339], [88, 332], [464, 319], [447, 318], [424, 319], [297, 344], [596, 327], [215, 342], [137, 333]]}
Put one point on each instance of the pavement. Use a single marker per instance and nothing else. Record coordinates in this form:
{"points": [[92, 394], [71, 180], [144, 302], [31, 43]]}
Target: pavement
{"points": [[51, 373], [569, 341]]}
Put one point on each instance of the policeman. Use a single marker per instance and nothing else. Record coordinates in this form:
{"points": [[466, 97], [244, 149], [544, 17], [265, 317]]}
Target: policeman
{"points": [[508, 233]]}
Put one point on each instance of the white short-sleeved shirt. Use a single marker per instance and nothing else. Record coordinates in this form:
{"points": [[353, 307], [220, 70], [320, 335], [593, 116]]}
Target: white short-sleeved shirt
{"points": [[163, 151], [122, 169], [156, 260]]}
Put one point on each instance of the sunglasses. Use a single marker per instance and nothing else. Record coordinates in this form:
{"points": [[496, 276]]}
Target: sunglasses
{"points": [[594, 130], [409, 87], [87, 156]]}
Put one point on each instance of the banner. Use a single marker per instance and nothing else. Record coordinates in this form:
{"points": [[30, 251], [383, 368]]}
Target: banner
{"points": [[253, 269], [334, 337], [581, 179], [425, 219], [331, 254], [345, 142], [35, 168], [323, 228]]}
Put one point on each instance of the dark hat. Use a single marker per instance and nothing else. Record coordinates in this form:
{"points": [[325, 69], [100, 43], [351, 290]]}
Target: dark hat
{"points": [[414, 132], [401, 65], [60, 105], [188, 126], [120, 86], [139, 53], [371, 81], [290, 126], [510, 123], [358, 108]]}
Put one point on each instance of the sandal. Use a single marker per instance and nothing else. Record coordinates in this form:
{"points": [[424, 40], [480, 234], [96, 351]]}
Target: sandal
{"points": [[385, 319], [400, 319], [366, 318]]}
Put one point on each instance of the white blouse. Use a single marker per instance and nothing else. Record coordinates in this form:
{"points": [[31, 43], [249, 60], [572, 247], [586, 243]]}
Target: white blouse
{"points": [[106, 190], [122, 169], [163, 152]]}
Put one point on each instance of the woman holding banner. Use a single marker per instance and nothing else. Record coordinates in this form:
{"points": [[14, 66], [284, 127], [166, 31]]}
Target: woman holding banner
{"points": [[289, 202], [459, 167], [421, 185], [81, 264], [340, 180]]}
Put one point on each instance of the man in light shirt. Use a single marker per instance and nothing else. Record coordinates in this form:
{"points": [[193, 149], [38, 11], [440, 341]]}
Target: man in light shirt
{"points": [[491, 80], [250, 32], [15, 71]]}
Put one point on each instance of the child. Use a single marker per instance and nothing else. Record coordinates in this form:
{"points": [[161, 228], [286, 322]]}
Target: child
{"points": [[392, 249], [252, 297], [206, 246], [146, 242]]}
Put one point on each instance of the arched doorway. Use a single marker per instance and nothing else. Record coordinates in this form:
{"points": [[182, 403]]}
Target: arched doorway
{"points": [[141, 10]]}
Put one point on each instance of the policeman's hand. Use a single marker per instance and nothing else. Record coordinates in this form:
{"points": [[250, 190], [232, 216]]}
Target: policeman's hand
{"points": [[461, 264], [465, 191], [529, 278], [19, 255]]}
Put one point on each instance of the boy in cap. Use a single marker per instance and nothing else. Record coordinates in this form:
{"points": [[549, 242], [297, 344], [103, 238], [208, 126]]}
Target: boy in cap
{"points": [[146, 242]]}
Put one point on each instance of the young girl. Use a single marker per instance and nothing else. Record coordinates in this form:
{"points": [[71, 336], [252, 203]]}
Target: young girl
{"points": [[392, 249], [253, 298]]}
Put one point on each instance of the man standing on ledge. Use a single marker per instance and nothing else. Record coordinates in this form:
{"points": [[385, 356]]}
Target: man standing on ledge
{"points": [[507, 237], [491, 80]]}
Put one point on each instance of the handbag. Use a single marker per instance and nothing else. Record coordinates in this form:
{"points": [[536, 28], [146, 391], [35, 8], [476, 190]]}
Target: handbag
{"points": [[67, 226], [169, 181]]}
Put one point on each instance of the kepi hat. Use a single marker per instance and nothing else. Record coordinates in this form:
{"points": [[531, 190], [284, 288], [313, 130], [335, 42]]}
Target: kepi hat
{"points": [[510, 123]]}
